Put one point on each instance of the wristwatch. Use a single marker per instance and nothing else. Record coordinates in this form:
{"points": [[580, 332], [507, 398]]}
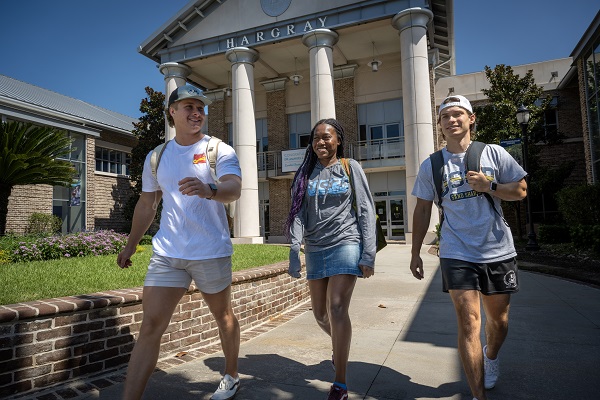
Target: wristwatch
{"points": [[213, 187], [493, 186]]}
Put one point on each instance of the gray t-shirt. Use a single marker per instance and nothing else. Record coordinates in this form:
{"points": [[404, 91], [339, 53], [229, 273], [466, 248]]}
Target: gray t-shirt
{"points": [[471, 231], [327, 217]]}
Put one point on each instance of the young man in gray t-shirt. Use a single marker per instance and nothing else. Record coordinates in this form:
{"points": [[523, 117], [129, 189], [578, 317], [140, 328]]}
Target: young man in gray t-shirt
{"points": [[477, 254]]}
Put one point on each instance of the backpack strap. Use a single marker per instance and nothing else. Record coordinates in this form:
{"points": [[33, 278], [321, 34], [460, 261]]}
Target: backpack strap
{"points": [[437, 167], [473, 163], [346, 166], [212, 152], [156, 156]]}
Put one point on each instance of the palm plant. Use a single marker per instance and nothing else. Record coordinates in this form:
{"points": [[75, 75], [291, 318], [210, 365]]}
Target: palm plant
{"points": [[29, 156]]}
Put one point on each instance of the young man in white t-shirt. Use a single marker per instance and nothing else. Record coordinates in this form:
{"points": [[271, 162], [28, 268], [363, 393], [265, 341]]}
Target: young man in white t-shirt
{"points": [[193, 241], [477, 253]]}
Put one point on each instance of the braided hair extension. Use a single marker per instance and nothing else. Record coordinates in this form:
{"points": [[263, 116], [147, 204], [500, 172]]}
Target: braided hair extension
{"points": [[300, 182]]}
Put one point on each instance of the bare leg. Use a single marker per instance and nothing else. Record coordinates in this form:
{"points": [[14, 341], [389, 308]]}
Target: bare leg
{"points": [[339, 294], [219, 305], [158, 306], [318, 300], [468, 314], [496, 309]]}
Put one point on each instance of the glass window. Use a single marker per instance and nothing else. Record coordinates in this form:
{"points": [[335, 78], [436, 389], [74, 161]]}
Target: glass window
{"points": [[112, 161], [299, 130]]}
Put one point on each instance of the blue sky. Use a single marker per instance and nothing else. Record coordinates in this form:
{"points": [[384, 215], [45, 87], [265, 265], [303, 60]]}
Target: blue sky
{"points": [[88, 50]]}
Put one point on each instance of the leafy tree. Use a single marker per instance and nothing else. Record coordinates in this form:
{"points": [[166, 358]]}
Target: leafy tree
{"points": [[29, 156], [150, 131], [496, 120]]}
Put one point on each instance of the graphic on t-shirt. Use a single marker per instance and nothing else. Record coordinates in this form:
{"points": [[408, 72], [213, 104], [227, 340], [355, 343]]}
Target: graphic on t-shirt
{"points": [[333, 186], [199, 158], [457, 179]]}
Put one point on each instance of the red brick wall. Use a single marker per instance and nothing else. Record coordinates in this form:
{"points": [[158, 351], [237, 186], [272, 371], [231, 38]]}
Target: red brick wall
{"points": [[47, 342]]}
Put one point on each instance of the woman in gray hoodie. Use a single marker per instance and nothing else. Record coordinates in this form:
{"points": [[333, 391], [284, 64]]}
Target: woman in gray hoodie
{"points": [[334, 214]]}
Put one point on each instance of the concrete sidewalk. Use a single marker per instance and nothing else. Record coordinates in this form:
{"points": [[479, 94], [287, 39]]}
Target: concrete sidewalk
{"points": [[404, 346]]}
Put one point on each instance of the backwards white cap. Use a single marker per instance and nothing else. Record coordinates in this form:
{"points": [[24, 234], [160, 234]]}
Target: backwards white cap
{"points": [[456, 100]]}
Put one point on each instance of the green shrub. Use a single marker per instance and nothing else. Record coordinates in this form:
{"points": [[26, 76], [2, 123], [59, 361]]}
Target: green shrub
{"points": [[580, 205], [554, 234], [43, 224], [146, 240], [586, 237]]}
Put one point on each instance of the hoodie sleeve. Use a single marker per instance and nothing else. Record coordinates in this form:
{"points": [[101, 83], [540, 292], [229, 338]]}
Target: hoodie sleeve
{"points": [[365, 209], [296, 235]]}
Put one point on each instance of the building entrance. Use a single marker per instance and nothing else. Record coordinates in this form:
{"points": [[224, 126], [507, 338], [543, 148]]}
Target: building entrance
{"points": [[391, 215]]}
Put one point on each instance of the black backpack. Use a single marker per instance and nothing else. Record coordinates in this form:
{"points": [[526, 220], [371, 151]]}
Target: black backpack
{"points": [[472, 163]]}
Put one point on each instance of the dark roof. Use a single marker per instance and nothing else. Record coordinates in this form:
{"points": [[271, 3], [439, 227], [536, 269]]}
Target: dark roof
{"points": [[20, 95]]}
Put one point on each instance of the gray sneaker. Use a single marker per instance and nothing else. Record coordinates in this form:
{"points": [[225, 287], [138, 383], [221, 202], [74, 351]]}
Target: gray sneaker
{"points": [[491, 370], [227, 388]]}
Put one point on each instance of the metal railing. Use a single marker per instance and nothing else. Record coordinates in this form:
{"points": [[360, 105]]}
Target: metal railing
{"points": [[270, 161]]}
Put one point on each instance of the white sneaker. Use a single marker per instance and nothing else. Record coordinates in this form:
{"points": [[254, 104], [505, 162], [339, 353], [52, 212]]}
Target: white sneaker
{"points": [[227, 388], [491, 370]]}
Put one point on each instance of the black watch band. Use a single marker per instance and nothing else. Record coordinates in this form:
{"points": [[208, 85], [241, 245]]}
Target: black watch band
{"points": [[493, 186], [213, 187]]}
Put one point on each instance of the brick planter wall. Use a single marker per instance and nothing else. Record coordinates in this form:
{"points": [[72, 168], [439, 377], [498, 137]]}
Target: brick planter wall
{"points": [[49, 342]]}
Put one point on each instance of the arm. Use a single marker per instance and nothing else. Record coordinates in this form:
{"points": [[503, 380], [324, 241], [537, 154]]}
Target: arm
{"points": [[296, 234], [143, 216], [510, 191], [421, 218], [366, 218], [229, 188]]}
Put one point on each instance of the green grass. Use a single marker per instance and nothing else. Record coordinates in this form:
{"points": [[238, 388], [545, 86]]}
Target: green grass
{"points": [[38, 280]]}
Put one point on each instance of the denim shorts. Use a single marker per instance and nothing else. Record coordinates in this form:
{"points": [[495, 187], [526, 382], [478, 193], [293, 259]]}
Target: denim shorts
{"points": [[210, 276], [337, 260], [488, 278]]}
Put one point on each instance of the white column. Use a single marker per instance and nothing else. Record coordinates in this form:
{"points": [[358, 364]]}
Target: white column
{"points": [[175, 76], [322, 101], [416, 97], [246, 226]]}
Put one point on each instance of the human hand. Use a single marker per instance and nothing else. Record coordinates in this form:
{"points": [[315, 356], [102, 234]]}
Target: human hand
{"points": [[367, 271], [416, 267], [192, 186], [478, 181], [295, 266], [124, 258]]}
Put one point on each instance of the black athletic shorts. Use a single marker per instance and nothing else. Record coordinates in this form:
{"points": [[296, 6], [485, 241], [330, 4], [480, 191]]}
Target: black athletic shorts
{"points": [[488, 278]]}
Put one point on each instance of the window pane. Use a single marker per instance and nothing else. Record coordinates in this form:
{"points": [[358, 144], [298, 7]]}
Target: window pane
{"points": [[376, 132], [304, 140], [393, 130]]}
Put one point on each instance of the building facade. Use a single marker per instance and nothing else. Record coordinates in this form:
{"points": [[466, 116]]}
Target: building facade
{"points": [[274, 68], [102, 143]]}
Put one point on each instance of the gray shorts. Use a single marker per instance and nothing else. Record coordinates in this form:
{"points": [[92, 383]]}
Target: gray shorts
{"points": [[488, 278], [210, 276]]}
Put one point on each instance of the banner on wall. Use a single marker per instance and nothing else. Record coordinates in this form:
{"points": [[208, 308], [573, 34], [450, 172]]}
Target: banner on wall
{"points": [[76, 193], [291, 160]]}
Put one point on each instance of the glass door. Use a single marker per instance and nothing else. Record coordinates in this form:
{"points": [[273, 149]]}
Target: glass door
{"points": [[391, 215]]}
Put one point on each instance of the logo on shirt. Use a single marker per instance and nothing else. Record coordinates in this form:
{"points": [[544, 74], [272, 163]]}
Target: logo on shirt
{"points": [[199, 158]]}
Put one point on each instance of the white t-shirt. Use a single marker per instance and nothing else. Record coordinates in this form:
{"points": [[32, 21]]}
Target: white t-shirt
{"points": [[472, 231], [191, 228]]}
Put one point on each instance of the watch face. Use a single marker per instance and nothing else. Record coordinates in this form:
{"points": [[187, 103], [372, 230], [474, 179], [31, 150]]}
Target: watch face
{"points": [[213, 186]]}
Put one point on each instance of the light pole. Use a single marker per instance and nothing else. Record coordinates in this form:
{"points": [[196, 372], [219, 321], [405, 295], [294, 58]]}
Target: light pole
{"points": [[523, 115]]}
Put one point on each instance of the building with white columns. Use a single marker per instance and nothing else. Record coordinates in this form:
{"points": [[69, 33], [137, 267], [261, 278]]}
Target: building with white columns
{"points": [[274, 68]]}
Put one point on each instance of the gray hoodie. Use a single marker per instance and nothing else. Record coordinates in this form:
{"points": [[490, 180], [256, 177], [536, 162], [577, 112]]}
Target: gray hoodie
{"points": [[327, 217]]}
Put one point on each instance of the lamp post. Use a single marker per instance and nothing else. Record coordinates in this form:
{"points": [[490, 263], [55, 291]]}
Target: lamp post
{"points": [[523, 115]]}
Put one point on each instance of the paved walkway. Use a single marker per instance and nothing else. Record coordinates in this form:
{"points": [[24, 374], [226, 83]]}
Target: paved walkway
{"points": [[404, 346]]}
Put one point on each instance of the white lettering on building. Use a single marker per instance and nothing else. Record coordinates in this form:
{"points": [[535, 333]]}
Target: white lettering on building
{"points": [[274, 33]]}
